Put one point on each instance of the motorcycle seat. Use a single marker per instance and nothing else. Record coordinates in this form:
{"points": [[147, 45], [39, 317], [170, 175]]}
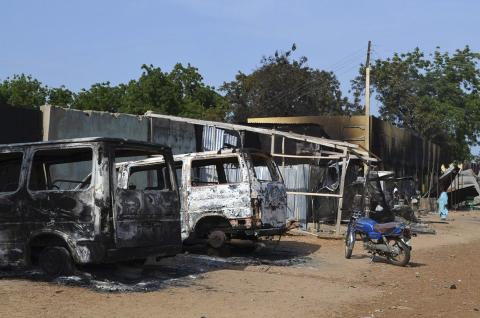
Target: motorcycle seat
{"points": [[385, 227]]}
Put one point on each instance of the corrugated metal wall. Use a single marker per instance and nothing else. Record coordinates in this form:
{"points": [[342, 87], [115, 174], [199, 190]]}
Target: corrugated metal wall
{"points": [[215, 139], [297, 178]]}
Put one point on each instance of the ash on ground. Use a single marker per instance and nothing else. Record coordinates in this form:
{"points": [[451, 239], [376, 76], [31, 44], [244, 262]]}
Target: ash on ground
{"points": [[181, 270]]}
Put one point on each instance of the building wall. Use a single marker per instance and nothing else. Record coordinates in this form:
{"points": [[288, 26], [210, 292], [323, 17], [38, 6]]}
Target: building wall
{"points": [[400, 150], [181, 137], [346, 128], [406, 153], [20, 125], [62, 123]]}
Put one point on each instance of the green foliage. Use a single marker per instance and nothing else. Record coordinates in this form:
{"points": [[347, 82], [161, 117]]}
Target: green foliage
{"points": [[22, 91], [60, 97], [438, 97], [180, 92], [283, 86], [100, 96]]}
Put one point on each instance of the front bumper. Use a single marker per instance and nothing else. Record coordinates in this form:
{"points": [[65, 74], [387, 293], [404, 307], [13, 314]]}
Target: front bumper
{"points": [[258, 232], [249, 227]]}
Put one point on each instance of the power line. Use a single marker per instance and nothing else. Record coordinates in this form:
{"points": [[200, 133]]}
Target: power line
{"points": [[343, 63]]}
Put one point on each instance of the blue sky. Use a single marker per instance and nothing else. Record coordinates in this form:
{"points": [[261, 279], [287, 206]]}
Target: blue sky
{"points": [[78, 43]]}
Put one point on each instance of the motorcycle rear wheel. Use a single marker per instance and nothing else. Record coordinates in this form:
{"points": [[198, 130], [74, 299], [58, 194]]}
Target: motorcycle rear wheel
{"points": [[403, 256], [349, 242]]}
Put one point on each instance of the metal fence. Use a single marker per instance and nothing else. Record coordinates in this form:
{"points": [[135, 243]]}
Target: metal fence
{"points": [[215, 139]]}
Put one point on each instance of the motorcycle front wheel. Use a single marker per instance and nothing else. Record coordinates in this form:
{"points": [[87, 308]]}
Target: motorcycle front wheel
{"points": [[401, 255], [349, 242]]}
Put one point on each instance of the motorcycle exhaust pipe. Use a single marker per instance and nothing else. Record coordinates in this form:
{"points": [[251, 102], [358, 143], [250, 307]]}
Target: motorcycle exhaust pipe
{"points": [[378, 247]]}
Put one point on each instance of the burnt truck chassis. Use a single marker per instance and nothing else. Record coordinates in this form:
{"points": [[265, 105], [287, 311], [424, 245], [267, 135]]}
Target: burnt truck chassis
{"points": [[94, 222]]}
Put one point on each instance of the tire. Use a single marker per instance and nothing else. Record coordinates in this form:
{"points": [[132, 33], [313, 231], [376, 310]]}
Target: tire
{"points": [[217, 239], [349, 242], [224, 251], [403, 257], [56, 261]]}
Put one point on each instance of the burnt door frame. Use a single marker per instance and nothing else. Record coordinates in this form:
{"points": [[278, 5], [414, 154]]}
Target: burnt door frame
{"points": [[14, 202], [145, 218]]}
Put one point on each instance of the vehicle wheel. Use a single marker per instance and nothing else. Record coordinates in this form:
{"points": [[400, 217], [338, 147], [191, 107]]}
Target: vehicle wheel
{"points": [[224, 251], [56, 261], [217, 238], [349, 242], [402, 253]]}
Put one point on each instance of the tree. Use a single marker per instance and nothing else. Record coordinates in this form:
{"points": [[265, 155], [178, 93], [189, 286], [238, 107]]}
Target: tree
{"points": [[60, 96], [22, 91], [283, 86], [437, 97], [180, 92], [152, 91], [100, 96], [198, 100]]}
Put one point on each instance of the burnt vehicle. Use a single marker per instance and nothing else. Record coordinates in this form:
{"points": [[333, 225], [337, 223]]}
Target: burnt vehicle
{"points": [[60, 205], [224, 194]]}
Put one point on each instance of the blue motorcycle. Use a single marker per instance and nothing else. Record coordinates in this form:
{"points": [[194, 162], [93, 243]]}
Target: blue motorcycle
{"points": [[390, 240]]}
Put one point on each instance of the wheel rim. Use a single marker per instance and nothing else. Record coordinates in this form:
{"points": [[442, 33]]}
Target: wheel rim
{"points": [[216, 239], [350, 240], [399, 253]]}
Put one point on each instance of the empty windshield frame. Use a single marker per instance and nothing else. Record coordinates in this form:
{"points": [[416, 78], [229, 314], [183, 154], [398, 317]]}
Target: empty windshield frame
{"points": [[62, 156]]}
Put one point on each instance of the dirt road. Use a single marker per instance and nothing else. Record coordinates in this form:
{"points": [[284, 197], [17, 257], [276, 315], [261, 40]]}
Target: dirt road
{"points": [[302, 277]]}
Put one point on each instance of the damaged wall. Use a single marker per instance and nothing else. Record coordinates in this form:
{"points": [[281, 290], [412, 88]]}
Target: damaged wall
{"points": [[406, 153], [20, 125], [180, 136], [401, 150], [62, 123]]}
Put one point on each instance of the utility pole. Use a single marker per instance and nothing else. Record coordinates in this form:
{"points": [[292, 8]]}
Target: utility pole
{"points": [[368, 124], [367, 80]]}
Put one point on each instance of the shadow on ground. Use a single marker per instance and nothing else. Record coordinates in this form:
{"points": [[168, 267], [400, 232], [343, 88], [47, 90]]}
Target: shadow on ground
{"points": [[181, 270], [382, 259]]}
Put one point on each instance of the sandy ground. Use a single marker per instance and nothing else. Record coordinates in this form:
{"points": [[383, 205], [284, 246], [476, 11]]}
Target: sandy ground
{"points": [[308, 277]]}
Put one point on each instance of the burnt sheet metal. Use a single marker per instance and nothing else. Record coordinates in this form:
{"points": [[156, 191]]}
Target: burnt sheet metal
{"points": [[273, 198], [445, 180], [463, 187], [82, 219], [237, 201], [246, 204], [231, 201], [146, 218], [26, 215]]}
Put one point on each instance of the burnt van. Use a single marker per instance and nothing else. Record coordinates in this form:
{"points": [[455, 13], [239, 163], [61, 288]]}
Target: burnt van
{"points": [[224, 194], [60, 205]]}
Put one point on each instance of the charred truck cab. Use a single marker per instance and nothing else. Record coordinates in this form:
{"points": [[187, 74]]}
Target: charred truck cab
{"points": [[60, 205], [225, 194]]}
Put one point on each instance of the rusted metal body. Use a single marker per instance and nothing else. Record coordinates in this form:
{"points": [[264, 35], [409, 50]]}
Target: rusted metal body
{"points": [[240, 192], [65, 193]]}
